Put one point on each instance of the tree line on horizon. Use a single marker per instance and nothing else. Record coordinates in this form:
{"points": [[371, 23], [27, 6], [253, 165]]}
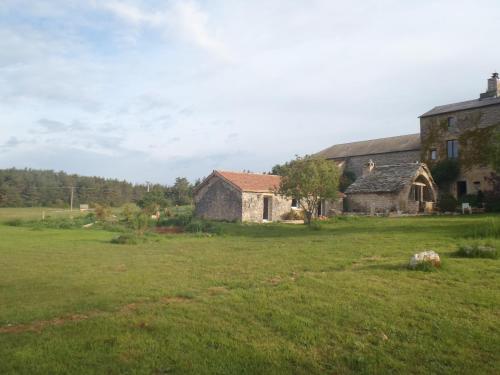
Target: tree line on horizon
{"points": [[47, 188]]}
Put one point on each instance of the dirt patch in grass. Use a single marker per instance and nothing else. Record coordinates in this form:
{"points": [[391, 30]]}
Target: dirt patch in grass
{"points": [[41, 324], [130, 308]]}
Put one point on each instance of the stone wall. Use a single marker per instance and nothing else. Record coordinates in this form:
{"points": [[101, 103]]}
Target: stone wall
{"points": [[253, 206], [472, 129], [218, 200], [355, 163], [374, 203]]}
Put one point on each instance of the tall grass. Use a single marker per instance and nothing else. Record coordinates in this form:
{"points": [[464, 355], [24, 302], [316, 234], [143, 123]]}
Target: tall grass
{"points": [[488, 229]]}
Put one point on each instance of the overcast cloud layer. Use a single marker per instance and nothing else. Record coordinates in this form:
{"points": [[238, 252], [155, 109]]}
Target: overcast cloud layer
{"points": [[151, 90]]}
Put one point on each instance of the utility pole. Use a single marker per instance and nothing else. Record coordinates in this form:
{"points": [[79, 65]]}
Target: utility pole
{"points": [[147, 183], [71, 200]]}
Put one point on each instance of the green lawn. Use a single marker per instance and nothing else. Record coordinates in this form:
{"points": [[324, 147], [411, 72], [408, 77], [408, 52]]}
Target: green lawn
{"points": [[259, 299]]}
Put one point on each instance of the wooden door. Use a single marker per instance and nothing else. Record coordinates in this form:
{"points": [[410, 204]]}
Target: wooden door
{"points": [[265, 214]]}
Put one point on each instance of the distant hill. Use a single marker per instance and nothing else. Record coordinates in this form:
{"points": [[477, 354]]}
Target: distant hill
{"points": [[30, 188]]}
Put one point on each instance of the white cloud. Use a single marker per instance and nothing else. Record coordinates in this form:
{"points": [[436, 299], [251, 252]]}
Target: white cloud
{"points": [[302, 75]]}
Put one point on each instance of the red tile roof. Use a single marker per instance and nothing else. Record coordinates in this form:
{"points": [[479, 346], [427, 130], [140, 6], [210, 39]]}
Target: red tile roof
{"points": [[252, 182]]}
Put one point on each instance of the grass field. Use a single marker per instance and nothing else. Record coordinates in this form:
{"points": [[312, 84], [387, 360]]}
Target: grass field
{"points": [[258, 299]]}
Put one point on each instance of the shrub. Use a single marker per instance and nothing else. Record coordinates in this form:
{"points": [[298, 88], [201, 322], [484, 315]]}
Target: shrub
{"points": [[128, 213], [293, 215], [445, 172], [477, 251], [102, 212], [447, 203], [125, 239], [141, 223], [195, 226]]}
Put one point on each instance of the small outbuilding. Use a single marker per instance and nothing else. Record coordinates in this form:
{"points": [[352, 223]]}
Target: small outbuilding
{"points": [[240, 196], [404, 188]]}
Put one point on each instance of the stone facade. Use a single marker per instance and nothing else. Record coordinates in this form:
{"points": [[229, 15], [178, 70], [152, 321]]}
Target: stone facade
{"points": [[228, 196], [253, 207], [218, 200], [402, 188], [471, 126]]}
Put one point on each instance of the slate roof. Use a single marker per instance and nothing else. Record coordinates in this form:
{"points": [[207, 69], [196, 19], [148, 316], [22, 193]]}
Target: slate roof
{"points": [[461, 106], [251, 182], [409, 142], [385, 179]]}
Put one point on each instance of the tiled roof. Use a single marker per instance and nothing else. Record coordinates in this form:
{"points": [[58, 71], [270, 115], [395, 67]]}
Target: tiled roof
{"points": [[251, 182], [470, 104], [385, 179], [410, 142]]}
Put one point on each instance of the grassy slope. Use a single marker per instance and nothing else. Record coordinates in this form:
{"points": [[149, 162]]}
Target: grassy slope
{"points": [[260, 299]]}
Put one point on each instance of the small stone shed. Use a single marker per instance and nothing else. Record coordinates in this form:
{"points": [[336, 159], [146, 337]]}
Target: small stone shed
{"points": [[405, 188], [240, 196]]}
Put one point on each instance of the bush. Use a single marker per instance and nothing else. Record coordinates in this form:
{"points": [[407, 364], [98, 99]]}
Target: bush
{"points": [[447, 203], [445, 172], [102, 212], [141, 223], [125, 239], [477, 251], [293, 215]]}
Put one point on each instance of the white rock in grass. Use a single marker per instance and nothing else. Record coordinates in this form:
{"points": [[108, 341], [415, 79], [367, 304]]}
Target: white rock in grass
{"points": [[425, 256]]}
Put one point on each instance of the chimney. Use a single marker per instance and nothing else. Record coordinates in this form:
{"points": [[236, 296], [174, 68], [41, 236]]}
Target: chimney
{"points": [[493, 87], [368, 167]]}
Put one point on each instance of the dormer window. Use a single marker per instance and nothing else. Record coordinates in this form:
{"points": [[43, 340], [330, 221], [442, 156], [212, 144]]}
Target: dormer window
{"points": [[452, 122]]}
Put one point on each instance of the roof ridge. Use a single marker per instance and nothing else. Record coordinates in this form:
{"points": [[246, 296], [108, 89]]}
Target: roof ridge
{"points": [[251, 173]]}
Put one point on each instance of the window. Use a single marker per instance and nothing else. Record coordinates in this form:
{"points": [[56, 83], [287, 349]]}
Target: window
{"points": [[433, 154], [452, 121], [452, 147], [295, 203]]}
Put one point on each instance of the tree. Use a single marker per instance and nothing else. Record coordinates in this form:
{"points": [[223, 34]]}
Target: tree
{"points": [[309, 179], [153, 201], [181, 192]]}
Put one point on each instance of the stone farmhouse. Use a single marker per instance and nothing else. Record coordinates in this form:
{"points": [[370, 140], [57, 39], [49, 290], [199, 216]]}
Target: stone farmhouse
{"points": [[459, 131], [391, 174], [240, 196], [463, 131], [406, 187]]}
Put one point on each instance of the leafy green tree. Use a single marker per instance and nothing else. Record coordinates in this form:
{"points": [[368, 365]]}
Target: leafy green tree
{"points": [[181, 192], [309, 180], [153, 201]]}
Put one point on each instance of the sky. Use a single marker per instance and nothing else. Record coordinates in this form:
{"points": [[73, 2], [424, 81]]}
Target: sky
{"points": [[149, 90]]}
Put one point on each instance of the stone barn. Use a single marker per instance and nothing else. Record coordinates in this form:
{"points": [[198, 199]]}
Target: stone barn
{"points": [[240, 196], [406, 188]]}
